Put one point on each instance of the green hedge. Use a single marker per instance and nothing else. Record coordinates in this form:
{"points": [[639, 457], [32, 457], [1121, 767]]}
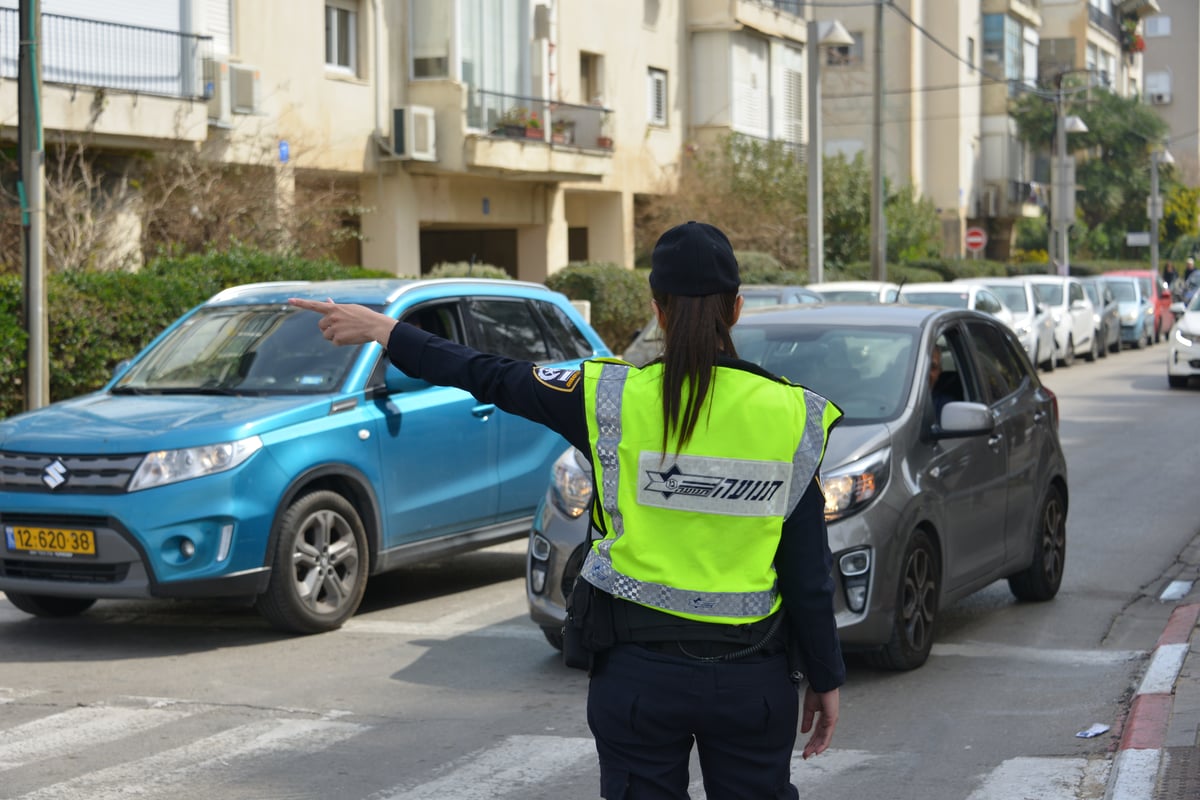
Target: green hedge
{"points": [[97, 319], [620, 298]]}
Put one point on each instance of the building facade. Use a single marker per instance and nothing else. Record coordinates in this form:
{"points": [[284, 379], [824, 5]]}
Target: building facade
{"points": [[1172, 64], [510, 132]]}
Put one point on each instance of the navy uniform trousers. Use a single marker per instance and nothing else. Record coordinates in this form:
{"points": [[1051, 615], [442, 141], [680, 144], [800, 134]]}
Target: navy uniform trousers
{"points": [[646, 707]]}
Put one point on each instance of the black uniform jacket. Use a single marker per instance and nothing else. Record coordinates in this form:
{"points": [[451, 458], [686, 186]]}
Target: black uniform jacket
{"points": [[555, 398]]}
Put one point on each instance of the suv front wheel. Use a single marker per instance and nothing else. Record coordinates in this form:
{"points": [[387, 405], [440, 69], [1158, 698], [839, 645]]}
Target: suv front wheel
{"points": [[319, 570]]}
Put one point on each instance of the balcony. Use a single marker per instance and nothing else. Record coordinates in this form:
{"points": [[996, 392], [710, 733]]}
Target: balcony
{"points": [[138, 85], [780, 18], [536, 139]]}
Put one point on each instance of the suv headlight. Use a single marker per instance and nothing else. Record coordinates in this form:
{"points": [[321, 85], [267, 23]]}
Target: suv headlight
{"points": [[172, 466], [850, 488], [571, 487]]}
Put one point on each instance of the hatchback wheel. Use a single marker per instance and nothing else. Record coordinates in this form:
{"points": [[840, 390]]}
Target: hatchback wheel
{"points": [[916, 608], [1102, 347], [555, 637], [1093, 351], [1041, 579], [1177, 381], [1068, 356], [319, 570], [43, 605]]}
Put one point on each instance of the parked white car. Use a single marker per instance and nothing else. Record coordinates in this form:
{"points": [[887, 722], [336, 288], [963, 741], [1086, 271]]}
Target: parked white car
{"points": [[1031, 321], [1183, 346], [974, 296], [857, 291], [1073, 315]]}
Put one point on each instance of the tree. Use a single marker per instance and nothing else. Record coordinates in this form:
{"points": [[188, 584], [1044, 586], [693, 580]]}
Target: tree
{"points": [[757, 192], [1113, 174]]}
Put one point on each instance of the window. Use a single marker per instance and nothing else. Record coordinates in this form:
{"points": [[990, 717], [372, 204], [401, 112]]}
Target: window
{"points": [[846, 55], [430, 27], [1158, 25], [591, 84], [508, 328], [341, 35], [999, 363], [657, 97]]}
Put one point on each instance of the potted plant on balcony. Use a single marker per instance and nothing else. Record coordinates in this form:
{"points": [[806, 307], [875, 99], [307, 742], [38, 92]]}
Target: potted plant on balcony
{"points": [[533, 127], [513, 122], [563, 131], [604, 140]]}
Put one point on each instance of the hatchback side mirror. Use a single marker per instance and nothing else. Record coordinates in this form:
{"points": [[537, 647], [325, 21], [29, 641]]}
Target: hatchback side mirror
{"points": [[964, 419]]}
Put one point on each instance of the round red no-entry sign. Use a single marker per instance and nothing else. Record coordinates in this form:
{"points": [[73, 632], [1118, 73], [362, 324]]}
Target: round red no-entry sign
{"points": [[976, 239]]}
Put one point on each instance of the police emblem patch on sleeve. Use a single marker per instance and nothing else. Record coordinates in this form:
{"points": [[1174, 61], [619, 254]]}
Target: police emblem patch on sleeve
{"points": [[558, 378]]}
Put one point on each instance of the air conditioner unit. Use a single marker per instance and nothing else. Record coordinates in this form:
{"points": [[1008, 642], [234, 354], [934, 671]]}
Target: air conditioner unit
{"points": [[244, 97], [414, 135], [1160, 98], [216, 90]]}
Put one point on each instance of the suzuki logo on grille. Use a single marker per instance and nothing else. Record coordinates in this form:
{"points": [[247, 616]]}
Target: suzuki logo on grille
{"points": [[55, 475]]}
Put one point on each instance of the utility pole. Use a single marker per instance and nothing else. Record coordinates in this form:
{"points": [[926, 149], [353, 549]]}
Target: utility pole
{"points": [[878, 223], [32, 190]]}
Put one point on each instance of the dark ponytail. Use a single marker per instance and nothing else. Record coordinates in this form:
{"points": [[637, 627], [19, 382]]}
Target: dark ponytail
{"points": [[696, 334]]}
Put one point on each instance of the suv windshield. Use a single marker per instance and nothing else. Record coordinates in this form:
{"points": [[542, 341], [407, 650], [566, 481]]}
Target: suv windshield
{"points": [[865, 371], [252, 349]]}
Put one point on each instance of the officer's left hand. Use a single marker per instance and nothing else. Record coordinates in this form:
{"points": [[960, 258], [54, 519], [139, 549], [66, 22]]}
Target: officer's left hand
{"points": [[823, 707]]}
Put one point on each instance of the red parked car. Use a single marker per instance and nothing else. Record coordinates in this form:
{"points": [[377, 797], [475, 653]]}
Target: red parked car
{"points": [[1163, 318]]}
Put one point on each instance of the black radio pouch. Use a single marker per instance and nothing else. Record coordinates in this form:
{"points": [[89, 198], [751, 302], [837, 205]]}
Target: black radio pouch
{"points": [[589, 626]]}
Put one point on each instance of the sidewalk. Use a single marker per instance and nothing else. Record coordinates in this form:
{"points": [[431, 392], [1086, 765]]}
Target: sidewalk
{"points": [[1159, 753]]}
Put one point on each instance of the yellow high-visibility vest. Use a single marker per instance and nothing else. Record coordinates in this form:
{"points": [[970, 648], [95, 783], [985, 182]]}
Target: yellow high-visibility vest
{"points": [[695, 533]]}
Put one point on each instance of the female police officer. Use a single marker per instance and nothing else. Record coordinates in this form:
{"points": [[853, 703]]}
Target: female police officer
{"points": [[715, 557]]}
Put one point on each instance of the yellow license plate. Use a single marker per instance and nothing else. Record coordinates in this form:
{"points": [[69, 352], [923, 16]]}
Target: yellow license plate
{"points": [[64, 541]]}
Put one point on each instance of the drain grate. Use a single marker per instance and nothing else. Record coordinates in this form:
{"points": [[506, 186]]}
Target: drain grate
{"points": [[1181, 774]]}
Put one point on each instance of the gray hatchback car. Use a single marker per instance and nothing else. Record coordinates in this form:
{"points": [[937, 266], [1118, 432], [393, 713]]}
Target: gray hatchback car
{"points": [[921, 510]]}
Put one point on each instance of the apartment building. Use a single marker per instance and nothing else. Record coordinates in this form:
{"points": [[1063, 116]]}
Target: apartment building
{"points": [[950, 71], [1172, 79], [512, 132]]}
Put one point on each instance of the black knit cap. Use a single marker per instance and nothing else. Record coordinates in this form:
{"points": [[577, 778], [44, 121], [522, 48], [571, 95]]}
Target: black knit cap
{"points": [[694, 259]]}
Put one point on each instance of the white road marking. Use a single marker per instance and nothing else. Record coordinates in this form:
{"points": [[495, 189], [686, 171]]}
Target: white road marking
{"points": [[1136, 773], [1037, 654], [504, 770], [77, 728], [1176, 590], [8, 695], [155, 775], [1044, 778]]}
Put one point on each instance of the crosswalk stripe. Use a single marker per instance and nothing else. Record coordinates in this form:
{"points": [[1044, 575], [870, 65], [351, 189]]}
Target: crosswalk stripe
{"points": [[152, 775], [8, 695], [78, 727], [503, 770], [1046, 778]]}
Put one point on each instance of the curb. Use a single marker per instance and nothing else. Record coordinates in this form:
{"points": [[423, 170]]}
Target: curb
{"points": [[1139, 755]]}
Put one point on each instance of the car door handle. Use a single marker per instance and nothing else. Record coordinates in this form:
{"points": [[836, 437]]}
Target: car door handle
{"points": [[994, 441], [1039, 417], [483, 411]]}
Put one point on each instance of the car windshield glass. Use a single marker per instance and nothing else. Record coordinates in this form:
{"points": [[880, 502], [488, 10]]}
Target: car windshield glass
{"points": [[252, 349], [760, 300], [865, 371], [1123, 291], [1012, 296], [948, 299], [1049, 293], [850, 295]]}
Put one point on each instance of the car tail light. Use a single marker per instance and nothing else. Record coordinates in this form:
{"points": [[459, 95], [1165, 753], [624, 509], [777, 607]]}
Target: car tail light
{"points": [[1053, 405]]}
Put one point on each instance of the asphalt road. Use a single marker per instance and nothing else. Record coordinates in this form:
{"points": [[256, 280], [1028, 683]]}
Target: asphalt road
{"points": [[440, 688]]}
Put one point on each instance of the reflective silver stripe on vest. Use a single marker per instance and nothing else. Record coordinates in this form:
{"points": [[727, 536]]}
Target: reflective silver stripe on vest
{"points": [[808, 453], [730, 486], [598, 571], [610, 388]]}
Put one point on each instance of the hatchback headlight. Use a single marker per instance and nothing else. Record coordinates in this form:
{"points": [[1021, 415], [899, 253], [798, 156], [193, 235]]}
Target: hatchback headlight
{"points": [[1185, 339], [850, 488], [163, 467], [571, 487]]}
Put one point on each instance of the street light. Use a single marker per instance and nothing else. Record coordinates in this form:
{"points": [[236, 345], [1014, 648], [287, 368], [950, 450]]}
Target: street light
{"points": [[821, 35], [1154, 203], [1064, 180]]}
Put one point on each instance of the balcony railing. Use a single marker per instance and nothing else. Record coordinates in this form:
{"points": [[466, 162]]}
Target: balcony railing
{"points": [[1105, 22], [543, 120], [84, 52]]}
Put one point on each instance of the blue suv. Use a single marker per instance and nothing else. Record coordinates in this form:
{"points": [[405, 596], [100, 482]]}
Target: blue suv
{"points": [[242, 455]]}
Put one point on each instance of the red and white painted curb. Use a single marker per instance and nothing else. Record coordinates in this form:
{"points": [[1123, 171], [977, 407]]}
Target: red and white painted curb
{"points": [[1135, 770]]}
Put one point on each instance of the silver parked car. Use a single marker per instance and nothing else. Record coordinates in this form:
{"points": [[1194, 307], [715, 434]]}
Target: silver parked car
{"points": [[921, 511], [1106, 315]]}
